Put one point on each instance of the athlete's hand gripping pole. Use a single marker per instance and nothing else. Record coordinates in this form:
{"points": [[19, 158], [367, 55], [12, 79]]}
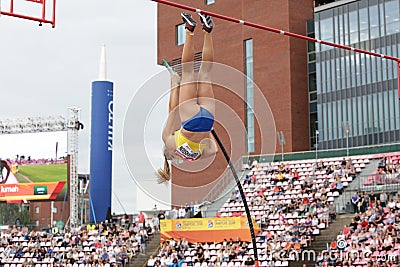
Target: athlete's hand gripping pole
{"points": [[165, 63], [170, 70]]}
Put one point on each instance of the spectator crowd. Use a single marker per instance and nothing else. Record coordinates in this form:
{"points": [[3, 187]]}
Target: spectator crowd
{"points": [[371, 239], [87, 245]]}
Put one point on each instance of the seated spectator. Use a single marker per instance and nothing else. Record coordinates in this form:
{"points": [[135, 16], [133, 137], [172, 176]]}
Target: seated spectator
{"points": [[149, 229], [151, 262], [387, 243], [364, 223], [332, 212], [392, 204], [353, 225], [248, 179], [357, 217], [382, 165], [339, 187], [254, 164], [253, 179], [280, 177], [249, 261]]}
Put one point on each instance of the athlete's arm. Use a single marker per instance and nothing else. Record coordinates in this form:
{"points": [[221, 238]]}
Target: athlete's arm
{"points": [[173, 121], [172, 125], [211, 149], [5, 165]]}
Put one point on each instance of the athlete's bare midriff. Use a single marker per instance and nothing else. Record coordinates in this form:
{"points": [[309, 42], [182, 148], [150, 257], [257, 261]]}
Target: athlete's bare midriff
{"points": [[196, 137]]}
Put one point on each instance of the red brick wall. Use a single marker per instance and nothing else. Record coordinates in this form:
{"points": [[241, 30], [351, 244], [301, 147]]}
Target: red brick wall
{"points": [[299, 81], [44, 215]]}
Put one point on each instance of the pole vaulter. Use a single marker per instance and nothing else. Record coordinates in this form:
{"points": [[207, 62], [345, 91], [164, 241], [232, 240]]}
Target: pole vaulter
{"points": [[262, 27], [237, 180]]}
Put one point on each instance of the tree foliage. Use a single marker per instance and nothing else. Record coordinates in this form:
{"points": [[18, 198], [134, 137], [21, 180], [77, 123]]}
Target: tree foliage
{"points": [[9, 213]]}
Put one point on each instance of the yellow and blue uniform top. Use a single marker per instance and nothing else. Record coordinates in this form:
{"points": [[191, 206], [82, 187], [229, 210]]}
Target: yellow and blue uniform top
{"points": [[186, 149]]}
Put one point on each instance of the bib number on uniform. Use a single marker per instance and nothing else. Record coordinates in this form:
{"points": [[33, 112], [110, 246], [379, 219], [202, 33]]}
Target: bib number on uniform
{"points": [[186, 152]]}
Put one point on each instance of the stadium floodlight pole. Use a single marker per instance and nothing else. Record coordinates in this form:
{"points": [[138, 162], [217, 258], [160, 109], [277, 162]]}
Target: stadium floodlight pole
{"points": [[246, 207], [282, 32]]}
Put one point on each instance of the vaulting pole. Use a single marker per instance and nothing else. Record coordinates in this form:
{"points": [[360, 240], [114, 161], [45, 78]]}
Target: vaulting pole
{"points": [[239, 185]]}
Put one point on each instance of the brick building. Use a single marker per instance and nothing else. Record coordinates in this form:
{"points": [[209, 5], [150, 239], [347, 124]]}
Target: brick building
{"points": [[40, 211]]}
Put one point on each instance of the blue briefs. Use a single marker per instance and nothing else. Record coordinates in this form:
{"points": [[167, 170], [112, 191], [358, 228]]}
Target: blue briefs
{"points": [[201, 122]]}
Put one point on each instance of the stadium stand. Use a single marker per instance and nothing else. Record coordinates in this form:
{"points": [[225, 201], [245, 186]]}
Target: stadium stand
{"points": [[292, 202], [372, 238], [87, 245], [387, 171]]}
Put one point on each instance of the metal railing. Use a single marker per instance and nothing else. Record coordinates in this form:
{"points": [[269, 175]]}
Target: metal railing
{"points": [[327, 153], [387, 182], [390, 183], [224, 181]]}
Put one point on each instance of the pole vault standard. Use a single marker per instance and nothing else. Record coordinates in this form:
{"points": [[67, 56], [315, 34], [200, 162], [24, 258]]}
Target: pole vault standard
{"points": [[42, 19], [243, 196], [258, 26]]}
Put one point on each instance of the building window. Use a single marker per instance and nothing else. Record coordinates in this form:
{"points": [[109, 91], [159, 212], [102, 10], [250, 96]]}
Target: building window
{"points": [[37, 210], [392, 17], [180, 34], [37, 223], [209, 2], [248, 59]]}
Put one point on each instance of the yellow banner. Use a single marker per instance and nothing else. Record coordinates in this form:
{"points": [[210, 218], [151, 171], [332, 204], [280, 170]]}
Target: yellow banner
{"points": [[166, 225], [206, 224], [207, 229], [225, 223]]}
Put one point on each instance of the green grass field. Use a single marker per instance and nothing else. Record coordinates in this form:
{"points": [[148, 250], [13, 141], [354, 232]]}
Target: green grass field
{"points": [[42, 173]]}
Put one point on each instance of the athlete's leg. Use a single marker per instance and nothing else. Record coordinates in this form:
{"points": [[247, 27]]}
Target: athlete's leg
{"points": [[188, 90], [205, 92]]}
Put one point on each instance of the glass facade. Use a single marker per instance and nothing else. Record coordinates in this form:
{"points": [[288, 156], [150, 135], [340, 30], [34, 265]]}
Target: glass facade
{"points": [[248, 54], [352, 88]]}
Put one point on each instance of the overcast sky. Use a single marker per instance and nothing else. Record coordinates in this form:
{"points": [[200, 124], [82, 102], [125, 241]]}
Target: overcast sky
{"points": [[43, 71]]}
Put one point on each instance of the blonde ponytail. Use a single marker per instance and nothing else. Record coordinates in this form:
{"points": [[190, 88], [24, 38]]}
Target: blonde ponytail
{"points": [[164, 175]]}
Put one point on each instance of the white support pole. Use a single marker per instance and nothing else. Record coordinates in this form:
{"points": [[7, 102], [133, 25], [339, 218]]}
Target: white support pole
{"points": [[73, 127], [52, 214], [316, 146]]}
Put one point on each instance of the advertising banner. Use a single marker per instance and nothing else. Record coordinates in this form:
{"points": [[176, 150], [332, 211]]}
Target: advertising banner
{"points": [[207, 229], [101, 145], [30, 191]]}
